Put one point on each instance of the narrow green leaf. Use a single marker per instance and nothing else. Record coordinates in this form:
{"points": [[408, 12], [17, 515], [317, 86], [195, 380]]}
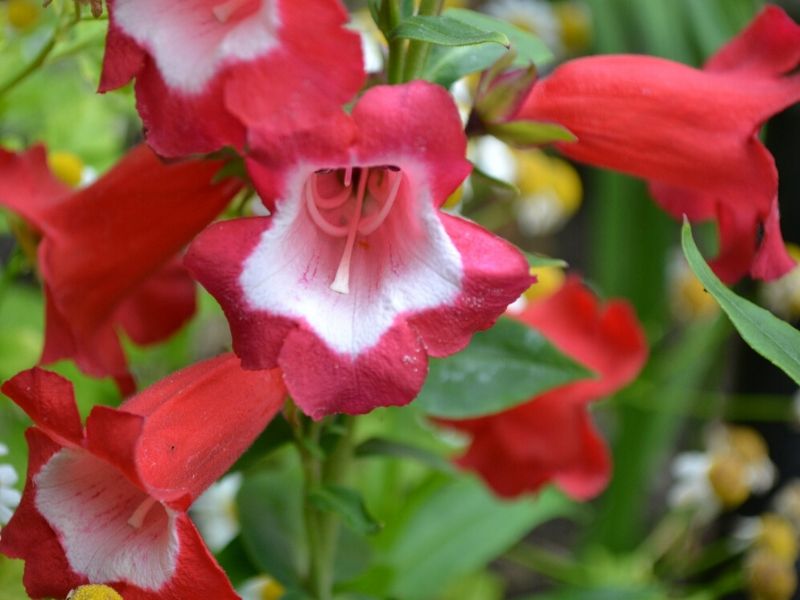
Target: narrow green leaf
{"points": [[445, 31], [775, 340], [540, 260], [531, 133], [448, 64], [383, 447], [348, 504], [501, 368], [530, 48], [499, 184]]}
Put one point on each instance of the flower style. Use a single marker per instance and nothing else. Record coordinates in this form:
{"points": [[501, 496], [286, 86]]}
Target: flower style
{"points": [[108, 252], [358, 276], [551, 438], [692, 134], [208, 70], [107, 504]]}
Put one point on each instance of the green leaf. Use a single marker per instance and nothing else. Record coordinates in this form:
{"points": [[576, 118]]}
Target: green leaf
{"points": [[273, 535], [382, 447], [500, 185], [445, 31], [531, 133], [348, 504], [277, 433], [530, 49], [775, 340], [448, 64], [501, 368], [448, 529], [540, 260]]}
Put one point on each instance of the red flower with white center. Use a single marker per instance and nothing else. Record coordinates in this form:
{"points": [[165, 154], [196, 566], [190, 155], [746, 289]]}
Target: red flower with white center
{"points": [[108, 251], [551, 438], [107, 504], [208, 70], [358, 276], [693, 134]]}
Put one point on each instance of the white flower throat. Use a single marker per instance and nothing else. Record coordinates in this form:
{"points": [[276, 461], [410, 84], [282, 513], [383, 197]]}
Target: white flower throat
{"points": [[351, 203]]}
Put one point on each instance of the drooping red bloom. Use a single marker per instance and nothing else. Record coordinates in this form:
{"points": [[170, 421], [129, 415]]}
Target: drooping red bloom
{"points": [[108, 255], [551, 438], [209, 70], [359, 276], [107, 504], [692, 134]]}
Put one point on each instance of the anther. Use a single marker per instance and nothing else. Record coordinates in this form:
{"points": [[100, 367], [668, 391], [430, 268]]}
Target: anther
{"points": [[319, 220], [372, 223]]}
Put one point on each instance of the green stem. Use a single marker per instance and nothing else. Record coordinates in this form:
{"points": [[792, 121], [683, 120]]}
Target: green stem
{"points": [[316, 579], [546, 563], [44, 52], [417, 53], [32, 66], [322, 527], [394, 71]]}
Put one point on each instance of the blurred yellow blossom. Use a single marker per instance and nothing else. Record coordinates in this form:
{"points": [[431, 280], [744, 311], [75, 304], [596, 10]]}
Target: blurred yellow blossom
{"points": [[66, 166], [782, 296], [688, 299]]}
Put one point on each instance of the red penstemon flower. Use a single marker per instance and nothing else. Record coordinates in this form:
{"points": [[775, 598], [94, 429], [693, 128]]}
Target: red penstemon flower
{"points": [[108, 255], [551, 438], [208, 70], [107, 504], [692, 134], [359, 276]]}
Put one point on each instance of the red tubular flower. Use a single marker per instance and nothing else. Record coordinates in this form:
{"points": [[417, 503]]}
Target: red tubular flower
{"points": [[107, 504], [208, 70], [692, 134], [358, 276], [551, 438], [108, 253]]}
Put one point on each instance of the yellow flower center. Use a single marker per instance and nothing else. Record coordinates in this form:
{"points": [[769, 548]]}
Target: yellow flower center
{"points": [[94, 592]]}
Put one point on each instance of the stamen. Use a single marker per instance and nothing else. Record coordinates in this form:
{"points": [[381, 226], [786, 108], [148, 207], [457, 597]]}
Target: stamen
{"points": [[371, 223], [348, 176], [341, 283], [318, 219], [224, 11], [138, 516], [332, 202]]}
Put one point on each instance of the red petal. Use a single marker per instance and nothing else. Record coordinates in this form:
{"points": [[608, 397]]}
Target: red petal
{"points": [[197, 570], [690, 132], [323, 382], [417, 121], [27, 186], [770, 45], [181, 434], [28, 536], [49, 401], [495, 274], [103, 244], [160, 306]]}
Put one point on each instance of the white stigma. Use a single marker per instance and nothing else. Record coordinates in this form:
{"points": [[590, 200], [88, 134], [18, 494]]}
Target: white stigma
{"points": [[341, 283]]}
